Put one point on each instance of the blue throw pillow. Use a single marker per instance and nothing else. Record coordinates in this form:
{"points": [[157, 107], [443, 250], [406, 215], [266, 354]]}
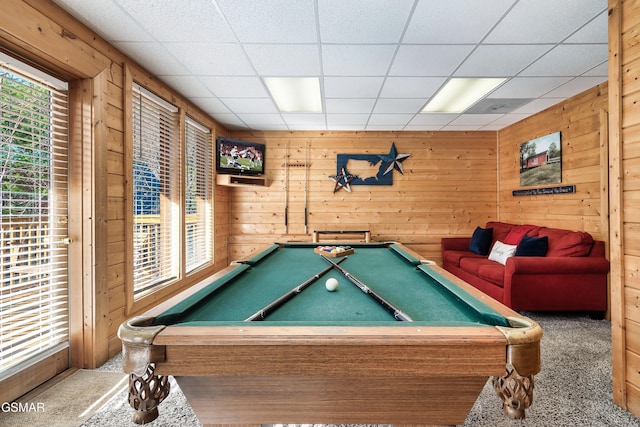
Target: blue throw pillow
{"points": [[481, 240], [533, 246]]}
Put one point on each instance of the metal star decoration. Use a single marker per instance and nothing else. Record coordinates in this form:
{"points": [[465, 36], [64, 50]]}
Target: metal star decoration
{"points": [[393, 160], [342, 180]]}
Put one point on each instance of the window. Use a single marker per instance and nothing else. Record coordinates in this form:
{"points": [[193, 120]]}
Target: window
{"points": [[156, 191], [34, 286], [198, 195]]}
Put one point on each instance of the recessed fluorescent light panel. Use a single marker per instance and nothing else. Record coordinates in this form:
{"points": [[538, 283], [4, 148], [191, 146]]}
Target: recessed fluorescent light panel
{"points": [[295, 94], [460, 93]]}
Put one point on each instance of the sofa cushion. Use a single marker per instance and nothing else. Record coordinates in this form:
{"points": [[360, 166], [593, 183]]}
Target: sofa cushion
{"points": [[454, 257], [481, 240], [492, 272], [501, 251], [484, 269], [517, 233], [471, 265], [533, 246], [566, 243]]}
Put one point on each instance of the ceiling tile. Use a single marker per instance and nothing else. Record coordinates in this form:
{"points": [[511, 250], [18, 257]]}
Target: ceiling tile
{"points": [[307, 127], [390, 119], [475, 119], [347, 119], [356, 60], [211, 105], [419, 60], [349, 106], [108, 19], [387, 105], [528, 87], [544, 21], [537, 105], [509, 119], [352, 87], [577, 85], [454, 22], [593, 31], [385, 128], [419, 128], [601, 70], [230, 120], [500, 60], [424, 119], [345, 127], [250, 105], [362, 21], [257, 120], [284, 59], [212, 59], [411, 87], [568, 60], [497, 105], [273, 21], [167, 21], [304, 119], [154, 57], [458, 128], [188, 86], [236, 87]]}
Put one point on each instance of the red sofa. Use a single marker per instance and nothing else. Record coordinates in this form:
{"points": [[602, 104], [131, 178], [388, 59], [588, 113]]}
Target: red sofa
{"points": [[571, 276]]}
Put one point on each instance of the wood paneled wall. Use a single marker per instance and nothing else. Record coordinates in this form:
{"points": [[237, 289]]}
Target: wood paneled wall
{"points": [[448, 188], [582, 121], [624, 164]]}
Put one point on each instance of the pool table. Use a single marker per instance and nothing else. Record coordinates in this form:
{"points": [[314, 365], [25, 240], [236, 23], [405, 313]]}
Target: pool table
{"points": [[400, 341]]}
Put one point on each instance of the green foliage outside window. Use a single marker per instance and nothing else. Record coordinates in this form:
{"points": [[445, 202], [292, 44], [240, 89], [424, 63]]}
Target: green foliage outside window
{"points": [[25, 132]]}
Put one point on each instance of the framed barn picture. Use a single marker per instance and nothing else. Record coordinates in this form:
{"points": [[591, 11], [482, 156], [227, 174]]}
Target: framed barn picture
{"points": [[541, 161]]}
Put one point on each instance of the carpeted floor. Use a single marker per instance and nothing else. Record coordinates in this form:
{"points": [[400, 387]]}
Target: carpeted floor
{"points": [[69, 402], [573, 389]]}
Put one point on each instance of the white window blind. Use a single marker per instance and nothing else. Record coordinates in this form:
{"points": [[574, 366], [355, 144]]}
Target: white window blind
{"points": [[156, 191], [198, 195], [34, 291]]}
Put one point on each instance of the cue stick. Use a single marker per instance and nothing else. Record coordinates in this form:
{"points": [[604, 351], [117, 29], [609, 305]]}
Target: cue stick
{"points": [[397, 314], [286, 189], [267, 309], [306, 182]]}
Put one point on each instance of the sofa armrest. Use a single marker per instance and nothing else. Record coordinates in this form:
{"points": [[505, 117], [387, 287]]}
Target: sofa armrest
{"points": [[556, 265], [455, 243]]}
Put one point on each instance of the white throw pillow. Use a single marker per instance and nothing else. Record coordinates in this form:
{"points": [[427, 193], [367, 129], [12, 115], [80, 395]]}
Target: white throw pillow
{"points": [[501, 251]]}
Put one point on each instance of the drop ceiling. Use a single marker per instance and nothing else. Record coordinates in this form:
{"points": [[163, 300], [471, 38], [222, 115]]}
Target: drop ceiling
{"points": [[378, 61]]}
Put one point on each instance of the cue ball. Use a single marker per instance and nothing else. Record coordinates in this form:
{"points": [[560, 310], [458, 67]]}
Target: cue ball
{"points": [[331, 284]]}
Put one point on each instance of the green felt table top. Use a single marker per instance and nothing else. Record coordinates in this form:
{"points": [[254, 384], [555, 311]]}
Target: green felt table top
{"points": [[417, 290]]}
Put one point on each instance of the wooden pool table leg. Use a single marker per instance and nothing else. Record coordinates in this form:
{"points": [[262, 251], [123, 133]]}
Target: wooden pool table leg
{"points": [[515, 391], [146, 390], [515, 387], [146, 393]]}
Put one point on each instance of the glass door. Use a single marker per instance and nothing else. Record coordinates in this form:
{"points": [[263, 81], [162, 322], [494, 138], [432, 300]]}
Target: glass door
{"points": [[34, 286]]}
